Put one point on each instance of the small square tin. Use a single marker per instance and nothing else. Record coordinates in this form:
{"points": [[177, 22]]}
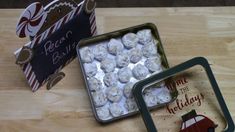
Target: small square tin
{"points": [[89, 42]]}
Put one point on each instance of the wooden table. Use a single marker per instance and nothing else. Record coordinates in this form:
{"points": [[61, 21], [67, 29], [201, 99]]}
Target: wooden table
{"points": [[185, 33]]}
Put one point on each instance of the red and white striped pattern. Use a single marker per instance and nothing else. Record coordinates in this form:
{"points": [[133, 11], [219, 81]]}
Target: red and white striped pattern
{"points": [[30, 76], [27, 68], [93, 23]]}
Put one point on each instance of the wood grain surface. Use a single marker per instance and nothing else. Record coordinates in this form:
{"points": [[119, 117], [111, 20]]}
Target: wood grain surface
{"points": [[185, 33]]}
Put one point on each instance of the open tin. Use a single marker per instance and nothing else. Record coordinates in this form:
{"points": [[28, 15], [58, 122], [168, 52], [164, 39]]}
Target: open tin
{"points": [[156, 87]]}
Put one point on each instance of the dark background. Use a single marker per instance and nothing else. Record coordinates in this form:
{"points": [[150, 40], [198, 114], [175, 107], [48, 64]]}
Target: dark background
{"points": [[129, 3]]}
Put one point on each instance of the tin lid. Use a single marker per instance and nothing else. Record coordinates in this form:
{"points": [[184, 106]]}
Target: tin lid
{"points": [[198, 107]]}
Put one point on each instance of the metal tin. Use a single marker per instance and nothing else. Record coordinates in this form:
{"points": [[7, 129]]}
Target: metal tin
{"points": [[222, 107], [104, 37]]}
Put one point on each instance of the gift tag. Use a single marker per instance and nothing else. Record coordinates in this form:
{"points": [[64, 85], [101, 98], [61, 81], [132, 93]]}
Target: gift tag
{"points": [[54, 41]]}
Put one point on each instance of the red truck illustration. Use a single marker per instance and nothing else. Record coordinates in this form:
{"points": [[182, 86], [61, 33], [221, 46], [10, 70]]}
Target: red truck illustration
{"points": [[197, 123]]}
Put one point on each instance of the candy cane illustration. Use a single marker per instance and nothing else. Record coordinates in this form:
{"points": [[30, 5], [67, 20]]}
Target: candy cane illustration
{"points": [[31, 20]]}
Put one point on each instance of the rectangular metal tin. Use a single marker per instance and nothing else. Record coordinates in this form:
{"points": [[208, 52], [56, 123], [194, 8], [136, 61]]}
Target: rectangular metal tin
{"points": [[118, 33]]}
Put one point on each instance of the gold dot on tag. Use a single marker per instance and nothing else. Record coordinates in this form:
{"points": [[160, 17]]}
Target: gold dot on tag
{"points": [[89, 6], [54, 79], [25, 55]]}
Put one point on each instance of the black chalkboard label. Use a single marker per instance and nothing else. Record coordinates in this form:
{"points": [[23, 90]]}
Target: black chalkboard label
{"points": [[57, 49]]}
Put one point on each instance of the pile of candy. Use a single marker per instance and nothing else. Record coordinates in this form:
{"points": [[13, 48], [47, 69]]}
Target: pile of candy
{"points": [[112, 67]]}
